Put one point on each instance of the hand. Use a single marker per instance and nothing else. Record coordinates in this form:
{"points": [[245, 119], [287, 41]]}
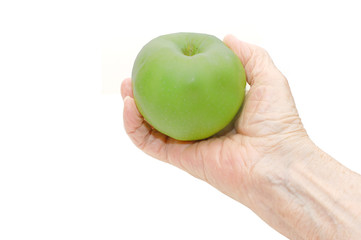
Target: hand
{"points": [[264, 158], [267, 127]]}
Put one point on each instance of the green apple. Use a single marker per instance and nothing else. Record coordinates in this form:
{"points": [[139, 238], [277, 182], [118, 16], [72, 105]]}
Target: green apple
{"points": [[188, 86]]}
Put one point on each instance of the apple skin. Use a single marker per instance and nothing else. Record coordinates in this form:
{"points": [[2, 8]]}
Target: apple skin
{"points": [[188, 86]]}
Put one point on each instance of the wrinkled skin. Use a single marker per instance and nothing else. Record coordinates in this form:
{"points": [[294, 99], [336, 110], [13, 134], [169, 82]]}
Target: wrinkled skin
{"points": [[256, 143]]}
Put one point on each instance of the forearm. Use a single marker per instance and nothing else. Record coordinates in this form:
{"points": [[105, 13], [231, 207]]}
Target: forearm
{"points": [[313, 197]]}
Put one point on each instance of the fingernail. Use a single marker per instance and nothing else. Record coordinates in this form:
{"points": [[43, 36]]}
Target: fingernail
{"points": [[126, 98]]}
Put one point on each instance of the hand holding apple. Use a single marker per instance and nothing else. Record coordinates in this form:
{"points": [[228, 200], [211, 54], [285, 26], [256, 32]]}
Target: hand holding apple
{"points": [[266, 137]]}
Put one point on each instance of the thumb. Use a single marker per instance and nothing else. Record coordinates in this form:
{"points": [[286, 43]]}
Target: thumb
{"points": [[258, 64]]}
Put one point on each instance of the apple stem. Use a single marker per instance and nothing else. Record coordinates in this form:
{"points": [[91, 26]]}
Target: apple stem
{"points": [[190, 49]]}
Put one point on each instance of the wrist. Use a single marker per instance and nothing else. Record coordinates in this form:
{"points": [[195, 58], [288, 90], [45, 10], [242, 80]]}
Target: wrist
{"points": [[270, 195], [305, 193]]}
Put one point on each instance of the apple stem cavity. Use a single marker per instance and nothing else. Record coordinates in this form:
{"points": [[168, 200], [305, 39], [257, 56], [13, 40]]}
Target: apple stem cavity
{"points": [[190, 49]]}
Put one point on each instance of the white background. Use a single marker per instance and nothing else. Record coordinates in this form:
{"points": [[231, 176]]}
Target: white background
{"points": [[67, 168]]}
